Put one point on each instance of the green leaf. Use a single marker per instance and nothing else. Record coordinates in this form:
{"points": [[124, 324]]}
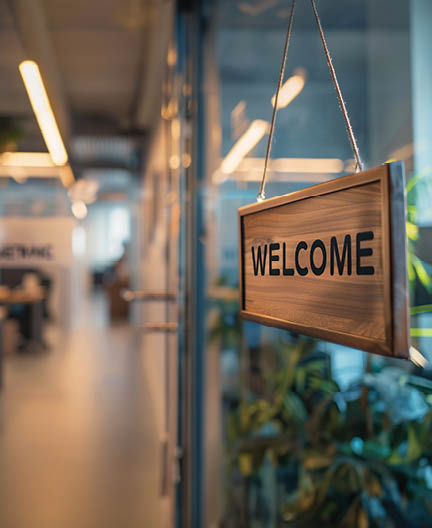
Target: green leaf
{"points": [[373, 449], [412, 231], [373, 486], [420, 383], [414, 445], [362, 519], [412, 209], [421, 332], [315, 462], [413, 452], [293, 408], [411, 269], [417, 178], [300, 379], [245, 412], [324, 386], [421, 272], [416, 310], [245, 464]]}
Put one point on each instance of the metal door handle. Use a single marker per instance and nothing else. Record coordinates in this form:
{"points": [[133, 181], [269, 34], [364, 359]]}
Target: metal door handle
{"points": [[159, 327], [149, 295], [165, 469]]}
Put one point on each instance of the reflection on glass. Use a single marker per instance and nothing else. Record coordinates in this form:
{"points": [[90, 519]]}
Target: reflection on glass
{"points": [[316, 434]]}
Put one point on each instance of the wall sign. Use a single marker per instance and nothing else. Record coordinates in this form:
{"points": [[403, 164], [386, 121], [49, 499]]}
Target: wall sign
{"points": [[330, 261], [32, 241]]}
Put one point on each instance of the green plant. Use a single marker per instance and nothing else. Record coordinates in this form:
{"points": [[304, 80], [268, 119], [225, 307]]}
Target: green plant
{"points": [[226, 327], [417, 272], [10, 133], [341, 461]]}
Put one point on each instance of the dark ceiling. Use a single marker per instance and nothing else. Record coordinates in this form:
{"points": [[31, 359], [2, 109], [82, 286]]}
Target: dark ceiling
{"points": [[102, 63]]}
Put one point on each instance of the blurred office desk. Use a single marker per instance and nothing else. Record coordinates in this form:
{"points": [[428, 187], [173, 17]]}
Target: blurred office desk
{"points": [[31, 322]]}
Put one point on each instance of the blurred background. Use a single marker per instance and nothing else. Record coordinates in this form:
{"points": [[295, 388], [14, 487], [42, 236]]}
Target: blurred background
{"points": [[131, 131]]}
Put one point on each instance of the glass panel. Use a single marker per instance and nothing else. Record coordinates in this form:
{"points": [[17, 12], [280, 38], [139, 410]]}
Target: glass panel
{"points": [[316, 434]]}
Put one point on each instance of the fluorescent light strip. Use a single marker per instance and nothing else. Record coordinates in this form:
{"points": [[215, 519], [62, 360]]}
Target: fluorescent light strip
{"points": [[26, 159], [403, 153], [244, 145], [295, 165], [42, 108], [34, 165], [79, 209], [66, 176], [290, 89]]}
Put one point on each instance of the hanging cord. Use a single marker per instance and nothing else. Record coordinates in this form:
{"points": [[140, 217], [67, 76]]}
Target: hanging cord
{"points": [[261, 194], [359, 164]]}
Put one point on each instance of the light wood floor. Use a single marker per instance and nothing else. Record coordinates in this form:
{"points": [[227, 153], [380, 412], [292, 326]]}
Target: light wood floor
{"points": [[77, 436]]}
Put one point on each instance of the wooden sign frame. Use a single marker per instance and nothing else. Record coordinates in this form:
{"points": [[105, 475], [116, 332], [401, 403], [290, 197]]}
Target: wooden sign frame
{"points": [[392, 317]]}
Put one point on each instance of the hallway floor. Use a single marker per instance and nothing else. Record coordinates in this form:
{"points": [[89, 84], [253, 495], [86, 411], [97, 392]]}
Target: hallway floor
{"points": [[78, 447]]}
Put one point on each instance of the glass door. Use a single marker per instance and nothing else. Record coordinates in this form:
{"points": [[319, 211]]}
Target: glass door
{"points": [[314, 434], [156, 296]]}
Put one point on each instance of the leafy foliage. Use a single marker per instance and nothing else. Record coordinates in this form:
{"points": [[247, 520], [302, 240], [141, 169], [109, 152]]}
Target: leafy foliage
{"points": [[10, 133], [338, 460], [416, 267]]}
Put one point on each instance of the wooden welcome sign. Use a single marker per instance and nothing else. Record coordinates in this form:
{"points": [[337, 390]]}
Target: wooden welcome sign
{"points": [[330, 261]]}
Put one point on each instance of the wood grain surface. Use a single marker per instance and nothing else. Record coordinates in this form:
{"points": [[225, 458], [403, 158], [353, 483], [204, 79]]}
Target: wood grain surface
{"points": [[348, 298]]}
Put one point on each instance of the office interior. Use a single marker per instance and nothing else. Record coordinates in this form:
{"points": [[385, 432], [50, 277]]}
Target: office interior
{"points": [[132, 393]]}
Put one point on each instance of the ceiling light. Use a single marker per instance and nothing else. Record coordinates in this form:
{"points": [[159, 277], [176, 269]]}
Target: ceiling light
{"points": [[311, 170], [172, 56], [309, 165], [295, 165], [174, 162], [23, 165], [42, 108], [290, 88], [175, 128], [66, 176], [403, 153], [244, 145], [238, 119], [186, 160], [26, 159], [79, 209]]}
